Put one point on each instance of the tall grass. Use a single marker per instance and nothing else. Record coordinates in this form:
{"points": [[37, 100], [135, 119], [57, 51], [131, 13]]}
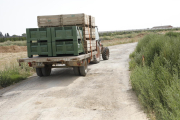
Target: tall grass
{"points": [[14, 73], [17, 38], [130, 32], [9, 43], [156, 78], [117, 36]]}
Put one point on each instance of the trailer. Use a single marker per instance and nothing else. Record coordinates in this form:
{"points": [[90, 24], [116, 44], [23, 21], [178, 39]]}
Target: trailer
{"points": [[64, 41], [43, 65]]}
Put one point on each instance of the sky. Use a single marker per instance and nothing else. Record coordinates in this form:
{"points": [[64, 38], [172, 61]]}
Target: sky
{"points": [[17, 15]]}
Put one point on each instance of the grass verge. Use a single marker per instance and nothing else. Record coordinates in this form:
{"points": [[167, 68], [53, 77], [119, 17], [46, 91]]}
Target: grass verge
{"points": [[14, 73], [155, 75]]}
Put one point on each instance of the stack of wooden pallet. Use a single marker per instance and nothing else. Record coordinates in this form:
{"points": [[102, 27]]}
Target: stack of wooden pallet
{"points": [[87, 22]]}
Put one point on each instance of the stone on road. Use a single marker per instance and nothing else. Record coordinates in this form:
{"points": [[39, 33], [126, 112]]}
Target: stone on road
{"points": [[104, 94]]}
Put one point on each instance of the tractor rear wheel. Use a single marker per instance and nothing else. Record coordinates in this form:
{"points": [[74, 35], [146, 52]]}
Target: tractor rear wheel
{"points": [[105, 53]]}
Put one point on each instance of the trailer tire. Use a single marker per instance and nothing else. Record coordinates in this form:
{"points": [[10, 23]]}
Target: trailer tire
{"points": [[46, 71], [76, 70], [105, 53], [39, 72], [83, 69]]}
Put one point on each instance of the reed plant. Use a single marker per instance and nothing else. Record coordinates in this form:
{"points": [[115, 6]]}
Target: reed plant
{"points": [[155, 76]]}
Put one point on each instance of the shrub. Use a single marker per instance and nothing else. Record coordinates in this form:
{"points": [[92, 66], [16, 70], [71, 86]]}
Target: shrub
{"points": [[106, 38], [173, 34], [156, 83]]}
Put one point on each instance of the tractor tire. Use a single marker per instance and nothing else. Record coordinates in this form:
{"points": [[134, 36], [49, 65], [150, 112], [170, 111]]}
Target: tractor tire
{"points": [[105, 53], [46, 71], [76, 71], [39, 72], [83, 69]]}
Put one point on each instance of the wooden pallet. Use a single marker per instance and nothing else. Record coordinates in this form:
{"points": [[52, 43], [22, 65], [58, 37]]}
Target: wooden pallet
{"points": [[88, 42], [75, 19], [81, 20], [88, 33], [86, 30], [88, 38], [89, 45], [90, 49], [49, 21], [91, 20]]}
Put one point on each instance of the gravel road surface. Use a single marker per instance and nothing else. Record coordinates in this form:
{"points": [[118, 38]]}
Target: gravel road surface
{"points": [[104, 94]]}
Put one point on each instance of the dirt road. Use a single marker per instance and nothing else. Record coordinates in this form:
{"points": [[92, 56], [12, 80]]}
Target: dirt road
{"points": [[104, 94]]}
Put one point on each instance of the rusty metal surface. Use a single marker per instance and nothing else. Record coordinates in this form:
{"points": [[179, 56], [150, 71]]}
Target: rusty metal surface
{"points": [[61, 59]]}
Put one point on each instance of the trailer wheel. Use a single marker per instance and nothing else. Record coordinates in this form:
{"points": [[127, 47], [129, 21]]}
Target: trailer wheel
{"points": [[105, 53], [83, 69], [46, 71], [76, 70], [39, 72]]}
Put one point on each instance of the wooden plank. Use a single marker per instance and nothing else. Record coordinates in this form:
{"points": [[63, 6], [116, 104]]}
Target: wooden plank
{"points": [[66, 20], [89, 46], [56, 59], [49, 20], [86, 30], [88, 38], [93, 47], [92, 20], [90, 49], [93, 44], [89, 43], [73, 19], [92, 41]]}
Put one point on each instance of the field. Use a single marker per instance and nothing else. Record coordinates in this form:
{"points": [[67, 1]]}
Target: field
{"points": [[109, 39], [7, 58]]}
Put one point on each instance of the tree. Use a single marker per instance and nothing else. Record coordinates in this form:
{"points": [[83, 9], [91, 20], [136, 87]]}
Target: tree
{"points": [[14, 35], [8, 35], [5, 35], [24, 35], [1, 35]]}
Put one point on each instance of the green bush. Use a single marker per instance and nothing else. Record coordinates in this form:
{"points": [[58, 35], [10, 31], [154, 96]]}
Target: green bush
{"points": [[157, 81], [106, 38], [4, 39], [173, 34], [118, 36]]}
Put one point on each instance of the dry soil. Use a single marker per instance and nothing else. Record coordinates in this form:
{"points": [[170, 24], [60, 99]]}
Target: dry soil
{"points": [[12, 49]]}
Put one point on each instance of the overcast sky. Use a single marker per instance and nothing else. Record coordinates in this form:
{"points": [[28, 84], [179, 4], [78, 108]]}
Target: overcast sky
{"points": [[17, 15]]}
